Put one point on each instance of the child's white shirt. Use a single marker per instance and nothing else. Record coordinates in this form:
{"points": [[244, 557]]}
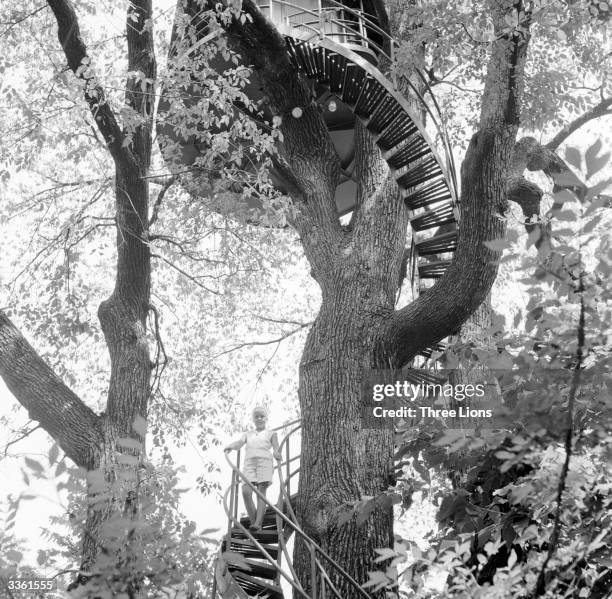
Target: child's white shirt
{"points": [[258, 443]]}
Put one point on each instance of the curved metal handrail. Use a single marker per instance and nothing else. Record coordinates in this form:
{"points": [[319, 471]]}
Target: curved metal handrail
{"points": [[287, 520]]}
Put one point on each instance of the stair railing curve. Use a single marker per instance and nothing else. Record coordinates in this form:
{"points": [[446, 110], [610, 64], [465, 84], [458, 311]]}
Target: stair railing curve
{"points": [[230, 504]]}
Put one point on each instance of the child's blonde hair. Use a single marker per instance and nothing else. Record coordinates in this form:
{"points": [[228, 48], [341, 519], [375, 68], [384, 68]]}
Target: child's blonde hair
{"points": [[259, 409]]}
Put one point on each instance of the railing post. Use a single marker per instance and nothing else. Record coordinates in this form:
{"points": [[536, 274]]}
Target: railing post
{"points": [[320, 9], [229, 520], [323, 591], [393, 63], [288, 467], [236, 488], [313, 572]]}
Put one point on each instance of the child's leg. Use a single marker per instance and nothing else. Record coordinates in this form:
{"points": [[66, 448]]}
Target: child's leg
{"points": [[247, 495], [261, 504]]}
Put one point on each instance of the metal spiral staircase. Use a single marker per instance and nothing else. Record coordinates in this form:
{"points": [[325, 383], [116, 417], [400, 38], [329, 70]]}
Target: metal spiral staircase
{"points": [[253, 564], [351, 64], [340, 49]]}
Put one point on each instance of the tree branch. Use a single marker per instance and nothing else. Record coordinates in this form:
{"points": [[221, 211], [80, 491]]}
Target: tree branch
{"points": [[441, 310], [259, 343], [597, 111], [69, 35], [309, 167], [160, 198], [60, 412], [23, 435]]}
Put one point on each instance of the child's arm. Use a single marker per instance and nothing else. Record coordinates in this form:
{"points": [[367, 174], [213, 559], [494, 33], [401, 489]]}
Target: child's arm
{"points": [[236, 444], [275, 447]]}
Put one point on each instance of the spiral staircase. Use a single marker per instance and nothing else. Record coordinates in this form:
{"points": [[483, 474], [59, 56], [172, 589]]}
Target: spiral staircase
{"points": [[254, 564], [351, 64]]}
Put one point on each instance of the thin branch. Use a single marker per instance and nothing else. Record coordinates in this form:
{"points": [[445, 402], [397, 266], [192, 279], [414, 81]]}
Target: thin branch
{"points": [[597, 111], [283, 321], [185, 273], [268, 361], [12, 24], [453, 84], [160, 197], [21, 437], [540, 588], [258, 343]]}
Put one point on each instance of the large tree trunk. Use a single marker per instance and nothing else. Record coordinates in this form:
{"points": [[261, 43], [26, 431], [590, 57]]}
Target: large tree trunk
{"points": [[342, 462]]}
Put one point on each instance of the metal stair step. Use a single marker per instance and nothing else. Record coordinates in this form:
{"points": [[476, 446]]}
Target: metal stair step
{"points": [[430, 193], [434, 270], [269, 519], [253, 567], [440, 215], [386, 111], [248, 548], [438, 244], [423, 171], [319, 59], [412, 150], [267, 536], [303, 52], [337, 71], [370, 98], [353, 81], [428, 351], [397, 131], [256, 587]]}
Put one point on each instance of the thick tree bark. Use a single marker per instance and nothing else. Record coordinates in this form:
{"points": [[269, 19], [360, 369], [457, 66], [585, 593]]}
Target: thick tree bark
{"points": [[343, 462], [46, 398]]}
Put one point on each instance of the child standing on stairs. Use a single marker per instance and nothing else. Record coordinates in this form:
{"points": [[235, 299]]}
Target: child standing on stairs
{"points": [[258, 464]]}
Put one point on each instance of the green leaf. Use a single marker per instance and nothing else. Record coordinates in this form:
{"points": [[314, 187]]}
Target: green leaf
{"points": [[564, 196], [34, 465], [597, 164], [53, 453], [378, 580], [572, 155], [14, 556]]}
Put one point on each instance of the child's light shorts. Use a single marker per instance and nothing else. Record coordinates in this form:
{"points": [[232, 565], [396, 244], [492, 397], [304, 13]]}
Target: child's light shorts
{"points": [[258, 470]]}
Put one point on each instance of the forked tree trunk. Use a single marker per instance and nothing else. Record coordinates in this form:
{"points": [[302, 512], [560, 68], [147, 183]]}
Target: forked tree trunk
{"points": [[342, 462]]}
